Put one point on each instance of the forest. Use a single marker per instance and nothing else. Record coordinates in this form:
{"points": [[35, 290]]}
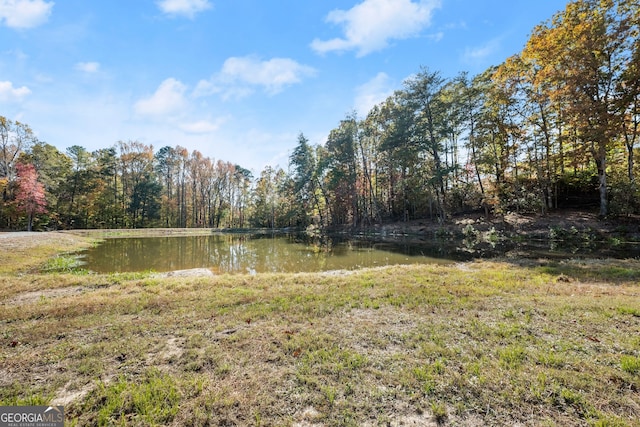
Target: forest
{"points": [[553, 126]]}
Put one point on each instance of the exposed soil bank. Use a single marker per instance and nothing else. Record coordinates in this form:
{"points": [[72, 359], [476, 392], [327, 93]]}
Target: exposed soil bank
{"points": [[527, 226]]}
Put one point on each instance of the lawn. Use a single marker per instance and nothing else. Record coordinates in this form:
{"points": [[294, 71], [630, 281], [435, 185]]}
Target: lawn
{"points": [[471, 344]]}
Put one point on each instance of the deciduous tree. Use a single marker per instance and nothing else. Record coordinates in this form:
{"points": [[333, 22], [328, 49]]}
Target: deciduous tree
{"points": [[585, 52], [30, 197]]}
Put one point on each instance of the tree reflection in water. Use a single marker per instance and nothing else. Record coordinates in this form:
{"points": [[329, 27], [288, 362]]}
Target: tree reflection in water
{"points": [[259, 253]]}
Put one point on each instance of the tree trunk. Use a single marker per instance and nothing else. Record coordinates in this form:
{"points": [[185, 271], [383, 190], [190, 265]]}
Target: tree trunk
{"points": [[630, 164], [601, 162]]}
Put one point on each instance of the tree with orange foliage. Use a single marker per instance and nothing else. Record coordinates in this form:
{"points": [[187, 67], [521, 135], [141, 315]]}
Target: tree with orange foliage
{"points": [[583, 58]]}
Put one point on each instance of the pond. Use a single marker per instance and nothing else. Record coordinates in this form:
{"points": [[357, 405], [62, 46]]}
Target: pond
{"points": [[274, 252], [245, 253]]}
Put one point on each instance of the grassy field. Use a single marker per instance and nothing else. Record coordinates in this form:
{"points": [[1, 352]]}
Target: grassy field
{"points": [[471, 344]]}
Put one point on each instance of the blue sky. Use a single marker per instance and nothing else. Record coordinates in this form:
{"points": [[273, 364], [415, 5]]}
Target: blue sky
{"points": [[237, 80]]}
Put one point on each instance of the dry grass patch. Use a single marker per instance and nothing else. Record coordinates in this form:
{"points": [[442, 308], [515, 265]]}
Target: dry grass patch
{"points": [[471, 344]]}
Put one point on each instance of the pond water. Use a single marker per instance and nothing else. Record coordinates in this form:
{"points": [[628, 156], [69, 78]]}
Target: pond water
{"points": [[244, 253], [260, 253]]}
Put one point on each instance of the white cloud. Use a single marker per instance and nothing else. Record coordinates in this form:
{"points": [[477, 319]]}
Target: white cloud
{"points": [[24, 13], [370, 25], [8, 93], [170, 105], [43, 78], [436, 37], [202, 126], [187, 8], [87, 67], [373, 93], [481, 53], [260, 147], [167, 100], [240, 75]]}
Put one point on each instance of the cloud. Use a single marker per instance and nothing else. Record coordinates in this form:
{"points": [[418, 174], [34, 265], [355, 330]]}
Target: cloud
{"points": [[370, 25], [436, 37], [260, 147], [373, 93], [478, 54], [168, 99], [170, 105], [22, 14], [202, 126], [87, 67], [187, 8], [239, 76], [8, 93]]}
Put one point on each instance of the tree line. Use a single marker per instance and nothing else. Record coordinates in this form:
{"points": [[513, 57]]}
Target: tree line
{"points": [[554, 125], [124, 186]]}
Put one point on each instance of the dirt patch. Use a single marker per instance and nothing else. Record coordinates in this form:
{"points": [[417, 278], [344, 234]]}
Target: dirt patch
{"points": [[309, 418], [337, 273], [15, 234], [25, 252], [65, 397], [192, 272], [25, 240], [367, 328], [172, 350], [35, 296]]}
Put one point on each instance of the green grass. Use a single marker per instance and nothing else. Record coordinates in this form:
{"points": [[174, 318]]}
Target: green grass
{"points": [[439, 411], [63, 263], [633, 311], [488, 343], [608, 270], [153, 399], [630, 364], [512, 357]]}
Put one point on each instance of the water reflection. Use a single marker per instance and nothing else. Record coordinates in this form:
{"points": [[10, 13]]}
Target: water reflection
{"points": [[259, 253]]}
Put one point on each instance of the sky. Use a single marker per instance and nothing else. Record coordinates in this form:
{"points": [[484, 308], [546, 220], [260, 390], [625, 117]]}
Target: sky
{"points": [[237, 80]]}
